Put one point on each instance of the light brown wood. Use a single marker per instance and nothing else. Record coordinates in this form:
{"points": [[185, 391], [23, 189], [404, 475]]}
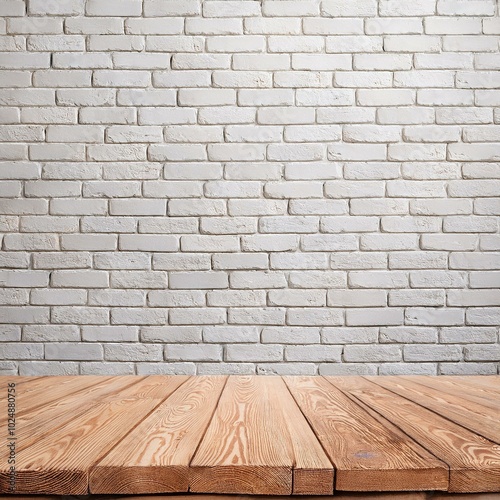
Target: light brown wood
{"points": [[246, 448], [257, 435], [43, 420], [475, 417], [455, 388], [59, 462], [313, 473], [39, 391], [474, 462], [367, 456], [154, 457]]}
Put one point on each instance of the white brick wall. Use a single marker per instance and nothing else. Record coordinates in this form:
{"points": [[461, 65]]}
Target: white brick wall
{"points": [[239, 186]]}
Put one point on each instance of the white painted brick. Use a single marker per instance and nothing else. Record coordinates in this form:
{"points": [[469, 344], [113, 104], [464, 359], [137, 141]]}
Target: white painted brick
{"points": [[483, 316], [293, 8], [469, 43], [254, 352], [412, 43], [356, 79], [198, 280], [385, 97], [463, 115], [174, 43], [230, 334], [321, 62], [94, 25], [168, 26], [405, 116], [443, 61], [393, 26], [188, 78], [315, 279], [238, 43], [378, 279], [200, 26], [432, 353], [155, 8], [289, 224], [466, 7], [224, 225], [416, 298], [181, 262], [240, 261], [359, 353], [357, 298], [315, 316], [290, 335], [168, 298], [331, 354], [351, 44], [237, 298], [408, 334], [417, 8], [342, 224], [338, 26], [193, 316], [285, 116], [432, 316], [128, 43], [257, 279], [418, 260], [371, 133], [337, 8]]}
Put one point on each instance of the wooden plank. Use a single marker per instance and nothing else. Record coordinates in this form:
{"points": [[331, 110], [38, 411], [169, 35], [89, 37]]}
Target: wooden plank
{"points": [[489, 381], [474, 417], [246, 449], [41, 390], [313, 473], [474, 462], [455, 388], [59, 462], [155, 456], [367, 455], [36, 423], [340, 496]]}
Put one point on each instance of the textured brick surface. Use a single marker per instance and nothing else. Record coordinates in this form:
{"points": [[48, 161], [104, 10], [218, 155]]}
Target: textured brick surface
{"points": [[291, 187]]}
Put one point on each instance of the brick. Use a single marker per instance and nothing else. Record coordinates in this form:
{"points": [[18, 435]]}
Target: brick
{"points": [[313, 353], [194, 316], [357, 298], [200, 352], [432, 316], [290, 335], [131, 352], [382, 353], [432, 353], [127, 8], [254, 352], [337, 8]]}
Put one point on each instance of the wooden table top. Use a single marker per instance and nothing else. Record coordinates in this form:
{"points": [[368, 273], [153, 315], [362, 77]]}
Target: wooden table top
{"points": [[249, 434]]}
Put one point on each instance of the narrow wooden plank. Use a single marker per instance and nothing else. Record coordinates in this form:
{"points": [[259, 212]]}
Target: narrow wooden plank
{"points": [[246, 449], [474, 417], [489, 381], [43, 420], [340, 496], [474, 462], [59, 462], [313, 473], [41, 390], [367, 455], [455, 388], [155, 456]]}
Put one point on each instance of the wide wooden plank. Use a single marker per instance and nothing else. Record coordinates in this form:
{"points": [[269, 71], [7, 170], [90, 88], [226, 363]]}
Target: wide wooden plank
{"points": [[455, 388], [474, 462], [313, 473], [474, 417], [367, 455], [490, 381], [246, 448], [42, 390], [43, 420], [155, 456], [59, 463]]}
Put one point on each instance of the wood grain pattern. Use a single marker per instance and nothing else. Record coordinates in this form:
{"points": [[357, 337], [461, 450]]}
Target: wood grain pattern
{"points": [[255, 436], [367, 456], [246, 448], [474, 462], [455, 388], [42, 420], [475, 417], [155, 456], [59, 462]]}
